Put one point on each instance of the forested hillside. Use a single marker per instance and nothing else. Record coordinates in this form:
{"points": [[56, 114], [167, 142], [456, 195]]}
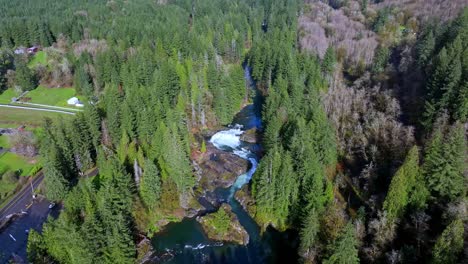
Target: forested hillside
{"points": [[154, 74], [364, 121], [397, 102]]}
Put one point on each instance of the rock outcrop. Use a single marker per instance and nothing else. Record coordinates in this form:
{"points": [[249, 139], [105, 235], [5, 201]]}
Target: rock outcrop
{"points": [[147, 255], [223, 225], [244, 197], [250, 136], [144, 250], [219, 168], [212, 169]]}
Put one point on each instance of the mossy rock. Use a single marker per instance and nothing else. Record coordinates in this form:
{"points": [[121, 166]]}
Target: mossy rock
{"points": [[223, 225], [250, 136], [244, 197]]}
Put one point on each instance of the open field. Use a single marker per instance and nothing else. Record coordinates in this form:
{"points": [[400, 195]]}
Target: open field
{"points": [[4, 141], [5, 96], [42, 95], [12, 162], [5, 188], [22, 166], [17, 117], [39, 58], [51, 96]]}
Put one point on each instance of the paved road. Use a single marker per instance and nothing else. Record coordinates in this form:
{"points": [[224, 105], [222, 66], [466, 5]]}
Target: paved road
{"points": [[16, 244], [37, 213], [36, 109], [14, 238], [22, 199], [52, 106]]}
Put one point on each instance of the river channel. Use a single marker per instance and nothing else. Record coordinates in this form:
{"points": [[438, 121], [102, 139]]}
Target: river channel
{"points": [[185, 241]]}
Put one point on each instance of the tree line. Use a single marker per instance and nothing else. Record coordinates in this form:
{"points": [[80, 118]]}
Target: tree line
{"points": [[341, 167], [155, 75]]}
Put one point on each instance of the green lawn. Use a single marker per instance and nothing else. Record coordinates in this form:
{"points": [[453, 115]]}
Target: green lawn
{"points": [[39, 58], [5, 96], [51, 96], [43, 95], [6, 187], [12, 162], [10, 117], [4, 141], [6, 190]]}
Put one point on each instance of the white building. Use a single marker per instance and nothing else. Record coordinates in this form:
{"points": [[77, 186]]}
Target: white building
{"points": [[74, 101], [19, 51]]}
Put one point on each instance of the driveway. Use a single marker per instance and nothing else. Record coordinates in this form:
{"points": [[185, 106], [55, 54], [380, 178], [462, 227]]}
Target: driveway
{"points": [[36, 109]]}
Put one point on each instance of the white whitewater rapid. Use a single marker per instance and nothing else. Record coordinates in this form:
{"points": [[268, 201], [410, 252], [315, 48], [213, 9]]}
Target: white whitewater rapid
{"points": [[229, 140]]}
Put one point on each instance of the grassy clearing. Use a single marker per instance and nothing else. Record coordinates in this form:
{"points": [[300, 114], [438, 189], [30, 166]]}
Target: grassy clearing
{"points": [[5, 96], [51, 96], [43, 95], [4, 141], [6, 191], [10, 117], [12, 162], [39, 58], [6, 187]]}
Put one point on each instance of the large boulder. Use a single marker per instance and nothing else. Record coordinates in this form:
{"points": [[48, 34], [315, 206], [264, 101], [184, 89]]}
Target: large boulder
{"points": [[223, 225], [250, 136], [147, 254], [219, 168], [190, 205]]}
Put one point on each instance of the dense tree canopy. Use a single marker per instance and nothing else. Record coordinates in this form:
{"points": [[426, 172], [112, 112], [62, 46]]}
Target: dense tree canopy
{"points": [[363, 105]]}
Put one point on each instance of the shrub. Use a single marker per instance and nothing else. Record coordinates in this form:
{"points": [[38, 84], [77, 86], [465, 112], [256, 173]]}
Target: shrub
{"points": [[10, 177]]}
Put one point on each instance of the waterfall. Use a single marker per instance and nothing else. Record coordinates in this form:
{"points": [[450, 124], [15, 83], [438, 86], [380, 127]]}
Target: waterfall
{"points": [[227, 138], [231, 139]]}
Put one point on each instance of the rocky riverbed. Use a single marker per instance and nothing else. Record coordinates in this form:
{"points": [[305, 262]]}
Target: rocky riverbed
{"points": [[218, 169], [213, 169]]}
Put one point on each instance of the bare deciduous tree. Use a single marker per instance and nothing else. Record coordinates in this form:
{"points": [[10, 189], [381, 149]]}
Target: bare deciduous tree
{"points": [[91, 46], [418, 226], [59, 70], [24, 143], [366, 121], [393, 257], [343, 28], [426, 9], [384, 231]]}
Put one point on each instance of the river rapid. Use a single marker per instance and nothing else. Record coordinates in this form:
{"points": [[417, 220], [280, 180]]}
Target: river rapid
{"points": [[185, 242]]}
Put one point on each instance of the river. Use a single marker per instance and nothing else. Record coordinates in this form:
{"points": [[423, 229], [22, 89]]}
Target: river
{"points": [[185, 242]]}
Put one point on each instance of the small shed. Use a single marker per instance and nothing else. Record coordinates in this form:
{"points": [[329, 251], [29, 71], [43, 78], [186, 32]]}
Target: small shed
{"points": [[73, 101]]}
